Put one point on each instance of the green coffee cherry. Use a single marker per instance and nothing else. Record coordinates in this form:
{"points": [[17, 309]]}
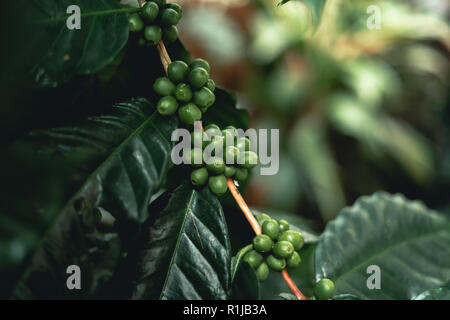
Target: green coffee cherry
{"points": [[167, 105], [216, 144], [215, 165], [262, 243], [243, 144], [262, 272], [176, 7], [183, 92], [210, 84], [262, 217], [324, 289], [284, 225], [294, 260], [253, 258], [271, 228], [276, 263], [198, 77], [169, 17], [189, 113], [160, 3], [204, 97], [136, 23], [231, 155], [283, 249], [163, 86], [200, 63], [229, 171], [218, 184], [141, 42], [250, 159], [150, 11], [153, 34], [199, 177], [170, 34], [177, 71], [241, 174], [294, 237]]}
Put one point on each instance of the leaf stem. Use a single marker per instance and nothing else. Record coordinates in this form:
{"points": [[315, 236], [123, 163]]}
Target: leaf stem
{"points": [[165, 60]]}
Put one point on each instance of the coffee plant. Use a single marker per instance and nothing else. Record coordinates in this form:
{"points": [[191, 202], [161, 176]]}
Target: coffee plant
{"points": [[140, 227]]}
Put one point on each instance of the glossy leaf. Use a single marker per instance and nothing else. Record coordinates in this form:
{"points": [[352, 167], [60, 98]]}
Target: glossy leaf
{"points": [[187, 254], [245, 282], [442, 293], [56, 53], [407, 241], [115, 162]]}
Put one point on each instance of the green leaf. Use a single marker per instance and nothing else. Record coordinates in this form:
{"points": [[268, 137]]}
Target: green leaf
{"points": [[245, 283], [187, 254], [224, 111], [54, 53], [442, 293], [315, 6], [287, 296], [115, 162], [404, 238]]}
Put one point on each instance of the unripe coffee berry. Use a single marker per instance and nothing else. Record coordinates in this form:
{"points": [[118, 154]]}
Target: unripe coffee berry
{"points": [[229, 171], [169, 17], [177, 71], [163, 86], [170, 34], [253, 258], [324, 289], [189, 113], [262, 272], [215, 165], [271, 228], [250, 159], [294, 260], [176, 7], [241, 174], [204, 97], [262, 243], [153, 34], [183, 92], [198, 77], [167, 105], [212, 130], [199, 177], [199, 63], [210, 84], [284, 225], [262, 217], [218, 184], [243, 144], [276, 263], [293, 237], [135, 22], [283, 249], [150, 11]]}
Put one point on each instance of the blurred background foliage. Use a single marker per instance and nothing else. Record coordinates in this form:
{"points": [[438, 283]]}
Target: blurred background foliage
{"points": [[358, 110]]}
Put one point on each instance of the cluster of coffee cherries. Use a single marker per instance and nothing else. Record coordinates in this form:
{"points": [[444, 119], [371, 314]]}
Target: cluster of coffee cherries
{"points": [[217, 155], [186, 89], [158, 21], [276, 248]]}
